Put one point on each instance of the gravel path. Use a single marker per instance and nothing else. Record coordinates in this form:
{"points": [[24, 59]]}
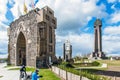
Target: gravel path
{"points": [[114, 68], [8, 74], [113, 72]]}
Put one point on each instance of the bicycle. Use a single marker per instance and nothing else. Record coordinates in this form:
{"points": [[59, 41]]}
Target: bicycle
{"points": [[23, 76]]}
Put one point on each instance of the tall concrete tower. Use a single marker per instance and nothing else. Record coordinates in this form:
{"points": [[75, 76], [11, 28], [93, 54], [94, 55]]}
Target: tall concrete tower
{"points": [[67, 48], [98, 40]]}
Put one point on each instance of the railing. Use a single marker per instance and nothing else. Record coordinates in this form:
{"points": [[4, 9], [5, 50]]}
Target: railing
{"points": [[67, 75]]}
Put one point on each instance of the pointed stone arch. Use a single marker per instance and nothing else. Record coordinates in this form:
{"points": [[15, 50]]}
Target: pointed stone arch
{"points": [[21, 49]]}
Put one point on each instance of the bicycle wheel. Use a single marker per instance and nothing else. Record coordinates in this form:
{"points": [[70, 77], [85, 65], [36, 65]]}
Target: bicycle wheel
{"points": [[23, 76]]}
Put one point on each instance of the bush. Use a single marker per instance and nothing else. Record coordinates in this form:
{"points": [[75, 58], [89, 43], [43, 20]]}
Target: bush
{"points": [[85, 58], [86, 73], [95, 63], [67, 64]]}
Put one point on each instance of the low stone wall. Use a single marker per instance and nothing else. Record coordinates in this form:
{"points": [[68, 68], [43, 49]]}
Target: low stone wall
{"points": [[67, 75]]}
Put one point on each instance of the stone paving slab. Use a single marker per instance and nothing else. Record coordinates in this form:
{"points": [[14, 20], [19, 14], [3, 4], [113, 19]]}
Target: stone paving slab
{"points": [[8, 74]]}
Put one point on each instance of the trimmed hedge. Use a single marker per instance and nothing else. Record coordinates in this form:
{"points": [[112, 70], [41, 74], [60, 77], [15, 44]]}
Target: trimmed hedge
{"points": [[95, 63], [84, 73]]}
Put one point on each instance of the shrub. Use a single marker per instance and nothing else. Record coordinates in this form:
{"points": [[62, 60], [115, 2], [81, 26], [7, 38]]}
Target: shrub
{"points": [[67, 64], [86, 73], [95, 63]]}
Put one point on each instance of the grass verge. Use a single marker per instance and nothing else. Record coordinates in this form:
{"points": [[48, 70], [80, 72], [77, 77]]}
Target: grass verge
{"points": [[46, 73], [14, 69], [27, 69], [110, 62], [1, 76], [8, 66]]}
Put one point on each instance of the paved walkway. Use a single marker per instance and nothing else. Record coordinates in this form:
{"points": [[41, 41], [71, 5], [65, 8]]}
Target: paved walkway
{"points": [[8, 74], [95, 67], [113, 72], [114, 68]]}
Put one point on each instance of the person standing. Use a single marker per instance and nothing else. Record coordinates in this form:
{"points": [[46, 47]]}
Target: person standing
{"points": [[23, 71]]}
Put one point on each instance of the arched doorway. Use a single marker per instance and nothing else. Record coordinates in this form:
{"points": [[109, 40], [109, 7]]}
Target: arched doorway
{"points": [[21, 50]]}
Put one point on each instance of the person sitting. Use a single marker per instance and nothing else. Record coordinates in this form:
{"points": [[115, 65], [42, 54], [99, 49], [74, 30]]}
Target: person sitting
{"points": [[35, 75], [22, 70]]}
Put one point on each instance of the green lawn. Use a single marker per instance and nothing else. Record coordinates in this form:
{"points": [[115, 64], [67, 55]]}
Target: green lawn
{"points": [[110, 62], [48, 75], [14, 69], [8, 66], [1, 76], [27, 69]]}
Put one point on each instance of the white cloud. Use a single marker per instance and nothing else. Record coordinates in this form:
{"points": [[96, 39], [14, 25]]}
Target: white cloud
{"points": [[82, 40], [113, 55], [3, 33], [81, 44], [18, 7], [115, 17], [3, 6], [3, 27], [111, 45], [4, 56], [3, 41], [111, 40], [79, 10], [84, 43], [2, 17], [3, 10], [112, 30], [3, 36]]}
